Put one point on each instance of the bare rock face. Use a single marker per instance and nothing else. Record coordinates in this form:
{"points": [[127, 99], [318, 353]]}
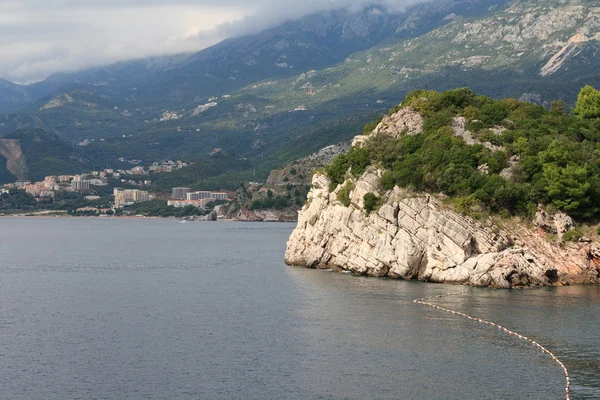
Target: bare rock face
{"points": [[512, 169], [558, 223], [405, 121], [15, 158], [563, 222], [414, 236], [459, 128], [568, 51]]}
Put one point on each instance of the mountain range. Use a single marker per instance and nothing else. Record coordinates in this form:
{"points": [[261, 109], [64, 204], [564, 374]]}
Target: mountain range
{"points": [[253, 103]]}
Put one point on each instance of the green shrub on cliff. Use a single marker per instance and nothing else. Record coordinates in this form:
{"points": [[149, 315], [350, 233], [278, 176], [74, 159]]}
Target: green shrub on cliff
{"points": [[493, 113], [572, 235], [429, 102], [343, 195], [370, 127], [371, 202], [356, 160]]}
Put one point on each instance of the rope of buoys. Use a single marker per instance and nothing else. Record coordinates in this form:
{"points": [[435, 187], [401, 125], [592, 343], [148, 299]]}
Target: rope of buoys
{"points": [[425, 301]]}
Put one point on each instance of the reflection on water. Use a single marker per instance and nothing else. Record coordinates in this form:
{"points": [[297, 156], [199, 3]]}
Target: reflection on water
{"points": [[564, 319], [155, 309]]}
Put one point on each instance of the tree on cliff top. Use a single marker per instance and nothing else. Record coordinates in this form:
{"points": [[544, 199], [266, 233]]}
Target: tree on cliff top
{"points": [[588, 103]]}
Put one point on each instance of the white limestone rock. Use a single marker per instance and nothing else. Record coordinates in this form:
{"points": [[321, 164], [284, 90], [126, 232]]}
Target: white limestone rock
{"points": [[414, 236], [406, 121], [459, 128]]}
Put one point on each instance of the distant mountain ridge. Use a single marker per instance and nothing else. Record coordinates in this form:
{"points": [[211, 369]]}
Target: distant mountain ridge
{"points": [[311, 42], [284, 93], [12, 96]]}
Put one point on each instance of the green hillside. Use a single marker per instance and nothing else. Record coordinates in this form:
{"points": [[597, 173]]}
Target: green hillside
{"points": [[519, 154]]}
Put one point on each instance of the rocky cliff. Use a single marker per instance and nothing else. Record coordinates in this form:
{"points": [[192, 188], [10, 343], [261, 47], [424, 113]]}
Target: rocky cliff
{"points": [[415, 236], [271, 215], [411, 235]]}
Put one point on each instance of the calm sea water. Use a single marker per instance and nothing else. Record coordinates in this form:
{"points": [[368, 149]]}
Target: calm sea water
{"points": [[153, 309]]}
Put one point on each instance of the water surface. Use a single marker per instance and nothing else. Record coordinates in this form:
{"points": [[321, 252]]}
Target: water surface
{"points": [[153, 309]]}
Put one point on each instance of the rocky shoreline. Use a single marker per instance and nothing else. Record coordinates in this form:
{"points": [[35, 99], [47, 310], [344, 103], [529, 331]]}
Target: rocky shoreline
{"points": [[416, 236], [270, 215]]}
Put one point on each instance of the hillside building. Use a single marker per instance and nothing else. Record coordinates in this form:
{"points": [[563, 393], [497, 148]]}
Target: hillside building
{"points": [[38, 190], [199, 195], [80, 185], [219, 196], [180, 193], [125, 197], [50, 183]]}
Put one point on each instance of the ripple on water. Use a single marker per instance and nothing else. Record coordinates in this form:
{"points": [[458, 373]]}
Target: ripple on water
{"points": [[155, 309]]}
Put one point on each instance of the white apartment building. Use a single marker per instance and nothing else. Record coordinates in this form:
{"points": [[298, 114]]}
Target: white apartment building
{"points": [[125, 197], [199, 195], [180, 192]]}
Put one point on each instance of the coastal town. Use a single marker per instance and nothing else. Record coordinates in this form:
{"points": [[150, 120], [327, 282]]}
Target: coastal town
{"points": [[108, 192]]}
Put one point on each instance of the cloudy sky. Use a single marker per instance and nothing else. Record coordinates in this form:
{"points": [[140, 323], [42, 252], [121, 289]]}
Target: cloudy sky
{"points": [[39, 37]]}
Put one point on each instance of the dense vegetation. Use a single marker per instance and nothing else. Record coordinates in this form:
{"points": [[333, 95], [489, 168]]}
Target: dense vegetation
{"points": [[288, 196], [19, 200], [160, 208], [543, 155], [234, 164]]}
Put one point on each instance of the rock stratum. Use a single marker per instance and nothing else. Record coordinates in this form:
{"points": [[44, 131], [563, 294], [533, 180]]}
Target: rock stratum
{"points": [[415, 236]]}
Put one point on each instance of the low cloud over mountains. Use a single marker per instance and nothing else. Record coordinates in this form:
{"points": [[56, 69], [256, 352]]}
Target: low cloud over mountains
{"points": [[38, 38]]}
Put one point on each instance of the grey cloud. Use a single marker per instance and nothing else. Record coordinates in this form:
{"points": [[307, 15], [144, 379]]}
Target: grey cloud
{"points": [[271, 13], [40, 37]]}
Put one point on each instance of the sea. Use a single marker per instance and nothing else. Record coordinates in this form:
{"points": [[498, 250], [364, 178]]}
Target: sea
{"points": [[144, 309]]}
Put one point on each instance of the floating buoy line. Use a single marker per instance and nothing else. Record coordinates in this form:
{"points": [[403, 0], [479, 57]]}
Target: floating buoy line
{"points": [[426, 302]]}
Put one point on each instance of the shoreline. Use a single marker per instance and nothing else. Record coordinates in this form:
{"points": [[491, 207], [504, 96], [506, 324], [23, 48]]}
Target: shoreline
{"points": [[132, 217]]}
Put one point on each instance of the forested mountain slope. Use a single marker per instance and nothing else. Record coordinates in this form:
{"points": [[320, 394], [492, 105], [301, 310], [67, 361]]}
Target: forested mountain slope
{"points": [[284, 93]]}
